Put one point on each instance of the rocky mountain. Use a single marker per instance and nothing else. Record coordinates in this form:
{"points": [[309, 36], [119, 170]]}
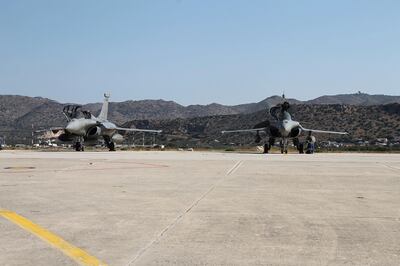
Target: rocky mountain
{"points": [[159, 109], [262, 105], [13, 107], [19, 113], [355, 99], [362, 122]]}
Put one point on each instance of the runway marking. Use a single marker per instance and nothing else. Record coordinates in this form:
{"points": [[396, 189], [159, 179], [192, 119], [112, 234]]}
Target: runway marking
{"points": [[234, 168], [71, 251], [69, 169], [19, 167], [182, 215]]}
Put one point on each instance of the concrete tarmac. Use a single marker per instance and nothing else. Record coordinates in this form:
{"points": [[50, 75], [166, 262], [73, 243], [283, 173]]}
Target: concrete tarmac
{"points": [[198, 208]]}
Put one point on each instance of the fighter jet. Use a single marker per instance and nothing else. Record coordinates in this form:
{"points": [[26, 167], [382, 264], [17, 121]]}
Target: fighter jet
{"points": [[284, 128], [83, 127]]}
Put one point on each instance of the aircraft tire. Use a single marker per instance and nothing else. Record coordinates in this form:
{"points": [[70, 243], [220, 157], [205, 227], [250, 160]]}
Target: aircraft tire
{"points": [[111, 146], [266, 148], [78, 146]]}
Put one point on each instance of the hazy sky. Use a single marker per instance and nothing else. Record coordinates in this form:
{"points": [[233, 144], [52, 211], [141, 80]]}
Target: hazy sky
{"points": [[198, 51]]}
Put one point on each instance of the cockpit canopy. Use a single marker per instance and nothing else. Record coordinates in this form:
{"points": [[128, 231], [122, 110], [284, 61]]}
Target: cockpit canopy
{"points": [[87, 114], [75, 111], [280, 111]]}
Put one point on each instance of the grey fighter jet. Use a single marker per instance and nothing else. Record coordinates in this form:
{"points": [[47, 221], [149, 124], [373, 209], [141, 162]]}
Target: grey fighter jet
{"points": [[284, 128], [83, 127]]}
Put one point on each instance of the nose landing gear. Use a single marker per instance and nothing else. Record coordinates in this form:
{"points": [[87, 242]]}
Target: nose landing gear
{"points": [[268, 146], [284, 146]]}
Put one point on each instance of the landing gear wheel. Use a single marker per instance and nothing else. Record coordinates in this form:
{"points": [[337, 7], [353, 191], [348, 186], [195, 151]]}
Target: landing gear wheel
{"points": [[284, 146], [266, 148], [79, 146], [111, 146], [269, 145]]}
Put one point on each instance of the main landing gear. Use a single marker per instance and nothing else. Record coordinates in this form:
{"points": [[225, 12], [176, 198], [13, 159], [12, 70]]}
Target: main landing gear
{"points": [[307, 147], [268, 146], [109, 143], [79, 145]]}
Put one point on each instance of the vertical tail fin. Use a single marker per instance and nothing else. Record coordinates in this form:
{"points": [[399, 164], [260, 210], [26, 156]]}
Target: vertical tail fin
{"points": [[104, 109]]}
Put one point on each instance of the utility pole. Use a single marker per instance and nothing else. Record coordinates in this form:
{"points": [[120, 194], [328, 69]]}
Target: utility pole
{"points": [[143, 139]]}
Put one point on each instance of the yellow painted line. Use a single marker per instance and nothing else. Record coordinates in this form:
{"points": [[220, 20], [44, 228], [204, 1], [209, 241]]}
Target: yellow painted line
{"points": [[71, 251]]}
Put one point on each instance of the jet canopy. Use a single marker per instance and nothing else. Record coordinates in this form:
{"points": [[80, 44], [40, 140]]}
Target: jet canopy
{"points": [[75, 111], [280, 111]]}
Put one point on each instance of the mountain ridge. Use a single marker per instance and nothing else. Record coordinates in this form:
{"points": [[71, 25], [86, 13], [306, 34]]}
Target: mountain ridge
{"points": [[13, 107], [362, 122], [22, 113]]}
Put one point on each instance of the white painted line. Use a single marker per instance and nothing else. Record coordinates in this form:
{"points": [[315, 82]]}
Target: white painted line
{"points": [[234, 168]]}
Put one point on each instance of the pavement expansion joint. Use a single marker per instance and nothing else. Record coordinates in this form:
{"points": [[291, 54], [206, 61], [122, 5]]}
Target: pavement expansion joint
{"points": [[182, 215]]}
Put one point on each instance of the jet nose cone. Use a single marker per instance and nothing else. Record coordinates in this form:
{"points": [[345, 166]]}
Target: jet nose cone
{"points": [[68, 128], [286, 125]]}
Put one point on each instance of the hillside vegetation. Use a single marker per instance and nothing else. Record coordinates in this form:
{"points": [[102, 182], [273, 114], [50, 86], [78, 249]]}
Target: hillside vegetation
{"points": [[202, 123]]}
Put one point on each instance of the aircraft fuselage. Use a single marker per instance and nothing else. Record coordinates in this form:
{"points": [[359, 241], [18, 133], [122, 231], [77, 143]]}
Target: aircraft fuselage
{"points": [[285, 129], [92, 129]]}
